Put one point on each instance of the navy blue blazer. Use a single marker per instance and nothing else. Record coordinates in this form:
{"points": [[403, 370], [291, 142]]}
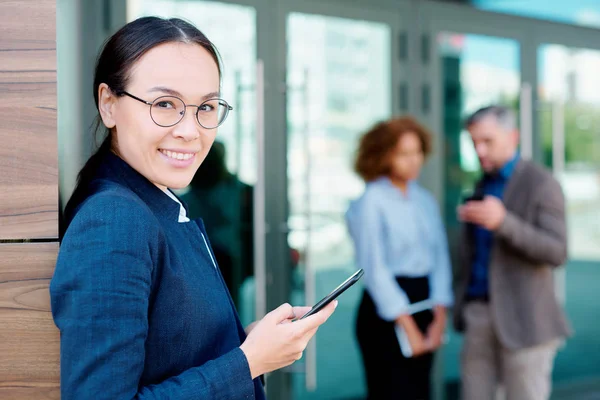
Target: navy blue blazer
{"points": [[142, 308]]}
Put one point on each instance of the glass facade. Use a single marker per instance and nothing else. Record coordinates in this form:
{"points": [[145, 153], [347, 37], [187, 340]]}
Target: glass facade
{"points": [[337, 69]]}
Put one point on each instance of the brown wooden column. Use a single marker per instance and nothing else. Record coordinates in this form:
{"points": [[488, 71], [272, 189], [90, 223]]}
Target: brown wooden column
{"points": [[29, 341]]}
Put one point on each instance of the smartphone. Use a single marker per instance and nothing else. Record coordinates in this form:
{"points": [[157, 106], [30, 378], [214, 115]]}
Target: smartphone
{"points": [[335, 293], [477, 196]]}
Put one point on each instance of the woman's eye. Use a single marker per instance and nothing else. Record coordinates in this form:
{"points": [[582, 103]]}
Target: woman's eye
{"points": [[164, 104], [207, 107]]}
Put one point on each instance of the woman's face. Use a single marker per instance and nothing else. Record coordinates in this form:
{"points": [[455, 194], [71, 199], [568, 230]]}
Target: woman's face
{"points": [[166, 156], [406, 158]]}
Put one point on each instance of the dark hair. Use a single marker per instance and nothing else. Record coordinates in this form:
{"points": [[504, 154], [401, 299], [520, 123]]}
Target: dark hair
{"points": [[119, 54], [372, 159]]}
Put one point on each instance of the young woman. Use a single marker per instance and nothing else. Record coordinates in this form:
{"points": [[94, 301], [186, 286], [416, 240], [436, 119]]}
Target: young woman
{"points": [[400, 243], [141, 305]]}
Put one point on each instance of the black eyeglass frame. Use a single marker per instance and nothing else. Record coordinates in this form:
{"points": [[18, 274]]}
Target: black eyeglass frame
{"points": [[185, 106]]}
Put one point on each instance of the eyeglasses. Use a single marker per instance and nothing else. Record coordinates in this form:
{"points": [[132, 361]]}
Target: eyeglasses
{"points": [[167, 111]]}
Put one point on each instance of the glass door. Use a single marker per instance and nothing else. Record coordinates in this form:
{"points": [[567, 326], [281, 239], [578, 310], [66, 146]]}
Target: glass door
{"points": [[547, 72], [340, 80], [568, 114], [478, 70], [225, 188], [474, 61]]}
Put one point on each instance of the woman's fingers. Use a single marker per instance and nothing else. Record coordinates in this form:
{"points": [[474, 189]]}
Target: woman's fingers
{"points": [[314, 321]]}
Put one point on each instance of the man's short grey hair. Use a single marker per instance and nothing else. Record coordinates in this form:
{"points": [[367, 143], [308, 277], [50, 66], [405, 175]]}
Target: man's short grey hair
{"points": [[505, 117]]}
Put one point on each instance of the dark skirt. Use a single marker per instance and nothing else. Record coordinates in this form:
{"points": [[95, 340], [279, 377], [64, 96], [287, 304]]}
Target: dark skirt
{"points": [[389, 374]]}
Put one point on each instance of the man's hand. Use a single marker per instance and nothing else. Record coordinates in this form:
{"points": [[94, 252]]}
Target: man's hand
{"points": [[488, 213]]}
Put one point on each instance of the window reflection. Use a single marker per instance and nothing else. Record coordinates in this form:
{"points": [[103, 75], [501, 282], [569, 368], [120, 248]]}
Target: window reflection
{"points": [[337, 87]]}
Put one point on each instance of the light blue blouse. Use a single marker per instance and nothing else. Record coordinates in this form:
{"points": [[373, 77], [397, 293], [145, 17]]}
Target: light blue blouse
{"points": [[397, 234]]}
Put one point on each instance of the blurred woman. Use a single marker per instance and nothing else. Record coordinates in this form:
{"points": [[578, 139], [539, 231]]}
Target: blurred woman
{"points": [[400, 242]]}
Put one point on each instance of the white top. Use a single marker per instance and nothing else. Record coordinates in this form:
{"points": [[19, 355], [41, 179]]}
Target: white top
{"points": [[182, 213]]}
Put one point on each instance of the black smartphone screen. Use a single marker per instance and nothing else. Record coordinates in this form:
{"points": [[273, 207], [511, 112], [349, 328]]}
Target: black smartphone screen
{"points": [[477, 196], [335, 293]]}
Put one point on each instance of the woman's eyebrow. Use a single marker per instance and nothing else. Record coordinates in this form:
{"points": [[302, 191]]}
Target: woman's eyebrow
{"points": [[165, 89], [211, 95], [174, 92]]}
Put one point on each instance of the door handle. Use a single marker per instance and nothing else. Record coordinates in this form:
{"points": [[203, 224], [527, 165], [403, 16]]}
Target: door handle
{"points": [[526, 126], [310, 360], [260, 228]]}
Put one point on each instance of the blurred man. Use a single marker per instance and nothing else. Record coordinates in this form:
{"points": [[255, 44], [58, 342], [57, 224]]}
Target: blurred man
{"points": [[514, 236]]}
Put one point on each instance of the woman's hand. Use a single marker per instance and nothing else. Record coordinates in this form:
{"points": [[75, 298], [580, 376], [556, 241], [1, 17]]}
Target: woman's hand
{"points": [[274, 342], [249, 328], [297, 313], [418, 342], [435, 331]]}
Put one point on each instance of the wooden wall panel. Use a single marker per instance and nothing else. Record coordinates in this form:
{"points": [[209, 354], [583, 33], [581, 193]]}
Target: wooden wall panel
{"points": [[29, 340], [28, 156], [28, 24]]}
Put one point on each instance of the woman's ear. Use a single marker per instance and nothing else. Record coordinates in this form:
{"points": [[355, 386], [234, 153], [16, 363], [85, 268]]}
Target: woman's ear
{"points": [[107, 102]]}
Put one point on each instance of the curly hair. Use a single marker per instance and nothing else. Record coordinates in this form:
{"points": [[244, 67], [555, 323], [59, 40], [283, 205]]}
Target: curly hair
{"points": [[372, 158]]}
